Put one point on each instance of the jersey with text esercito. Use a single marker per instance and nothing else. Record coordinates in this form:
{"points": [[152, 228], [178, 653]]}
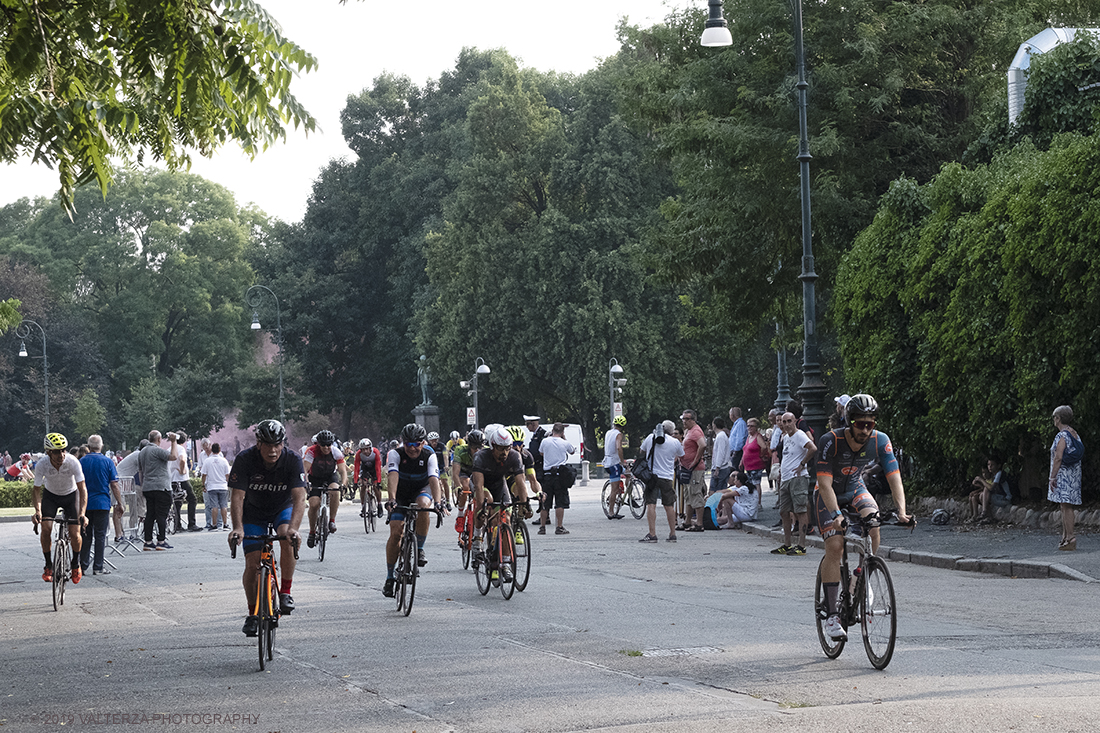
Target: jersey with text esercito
{"points": [[267, 491]]}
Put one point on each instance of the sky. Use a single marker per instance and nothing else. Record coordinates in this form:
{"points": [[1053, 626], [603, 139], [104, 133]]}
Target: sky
{"points": [[356, 42]]}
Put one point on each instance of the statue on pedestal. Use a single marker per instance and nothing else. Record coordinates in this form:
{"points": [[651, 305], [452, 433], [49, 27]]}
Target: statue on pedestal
{"points": [[422, 376]]}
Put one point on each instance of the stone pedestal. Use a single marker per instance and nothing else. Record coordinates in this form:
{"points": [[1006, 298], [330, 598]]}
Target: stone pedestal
{"points": [[428, 416]]}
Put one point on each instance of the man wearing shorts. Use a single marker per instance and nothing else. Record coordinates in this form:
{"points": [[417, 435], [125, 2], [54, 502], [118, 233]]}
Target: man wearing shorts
{"points": [[693, 463], [215, 469], [269, 487], [661, 450], [555, 451], [327, 472], [412, 479], [794, 486], [59, 484]]}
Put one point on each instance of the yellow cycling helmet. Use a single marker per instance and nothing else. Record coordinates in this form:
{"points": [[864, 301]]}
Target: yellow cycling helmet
{"points": [[620, 421], [55, 441], [517, 433]]}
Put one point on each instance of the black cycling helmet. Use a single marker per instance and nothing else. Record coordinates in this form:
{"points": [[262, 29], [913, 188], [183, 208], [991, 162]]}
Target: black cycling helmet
{"points": [[270, 431], [475, 437], [860, 404], [413, 433], [326, 437]]}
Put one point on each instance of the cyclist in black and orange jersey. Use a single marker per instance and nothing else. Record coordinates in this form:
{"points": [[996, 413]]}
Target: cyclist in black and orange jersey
{"points": [[463, 465], [842, 456], [326, 471]]}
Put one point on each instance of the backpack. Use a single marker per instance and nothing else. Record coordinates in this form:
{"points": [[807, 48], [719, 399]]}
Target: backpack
{"points": [[1073, 451]]}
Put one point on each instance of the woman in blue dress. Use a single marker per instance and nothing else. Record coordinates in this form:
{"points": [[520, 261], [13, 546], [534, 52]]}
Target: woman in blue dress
{"points": [[1065, 478]]}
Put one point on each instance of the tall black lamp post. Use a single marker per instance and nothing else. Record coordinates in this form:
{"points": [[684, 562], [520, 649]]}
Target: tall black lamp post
{"points": [[22, 332], [254, 297], [812, 390]]}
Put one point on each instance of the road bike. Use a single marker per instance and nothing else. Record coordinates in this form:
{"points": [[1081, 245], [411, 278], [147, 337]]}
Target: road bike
{"points": [[62, 562], [407, 569], [267, 608], [369, 506], [321, 533], [495, 563], [174, 522], [465, 526], [520, 513], [865, 596], [632, 495]]}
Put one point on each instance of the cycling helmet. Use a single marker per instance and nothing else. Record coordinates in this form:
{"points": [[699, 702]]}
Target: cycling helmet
{"points": [[499, 436], [475, 437], [861, 404], [364, 444], [25, 457], [433, 436], [55, 441], [326, 437], [270, 431], [620, 421], [455, 435], [517, 434], [413, 433], [940, 517]]}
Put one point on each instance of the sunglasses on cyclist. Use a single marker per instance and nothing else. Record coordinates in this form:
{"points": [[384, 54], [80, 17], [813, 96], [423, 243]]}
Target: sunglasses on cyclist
{"points": [[864, 424], [414, 443]]}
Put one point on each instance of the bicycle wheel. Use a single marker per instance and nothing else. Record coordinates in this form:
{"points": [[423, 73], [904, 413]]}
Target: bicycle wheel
{"points": [[466, 541], [60, 574], [263, 607], [523, 555], [275, 610], [412, 569], [507, 550], [372, 506], [171, 524], [831, 647], [322, 530], [877, 611], [399, 573], [480, 561], [637, 498], [605, 499]]}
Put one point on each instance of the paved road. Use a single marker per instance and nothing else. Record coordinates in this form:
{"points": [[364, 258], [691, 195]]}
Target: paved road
{"points": [[702, 635]]}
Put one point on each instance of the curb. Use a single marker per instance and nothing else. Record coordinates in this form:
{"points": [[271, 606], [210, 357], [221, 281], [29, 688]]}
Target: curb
{"points": [[992, 566]]}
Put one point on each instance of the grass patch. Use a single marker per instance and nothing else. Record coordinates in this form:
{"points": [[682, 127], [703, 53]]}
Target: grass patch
{"points": [[630, 652]]}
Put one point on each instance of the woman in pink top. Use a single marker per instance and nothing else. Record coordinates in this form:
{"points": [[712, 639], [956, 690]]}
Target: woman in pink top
{"points": [[755, 453]]}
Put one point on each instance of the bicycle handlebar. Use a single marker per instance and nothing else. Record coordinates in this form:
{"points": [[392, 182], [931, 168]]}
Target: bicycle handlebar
{"points": [[265, 538]]}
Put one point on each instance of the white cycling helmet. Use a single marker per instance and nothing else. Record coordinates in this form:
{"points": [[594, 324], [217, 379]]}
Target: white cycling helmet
{"points": [[364, 444], [498, 435], [433, 436], [455, 435]]}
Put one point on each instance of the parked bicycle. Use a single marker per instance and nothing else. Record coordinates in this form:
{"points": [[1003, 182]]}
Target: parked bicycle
{"points": [[407, 569], [267, 608], [495, 563], [632, 495], [866, 596]]}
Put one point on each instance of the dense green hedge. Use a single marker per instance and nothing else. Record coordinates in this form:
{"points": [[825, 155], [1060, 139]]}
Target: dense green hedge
{"points": [[14, 494], [970, 308]]}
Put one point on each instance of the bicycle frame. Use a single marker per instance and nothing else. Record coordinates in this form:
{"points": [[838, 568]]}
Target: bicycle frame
{"points": [[267, 606], [498, 544]]}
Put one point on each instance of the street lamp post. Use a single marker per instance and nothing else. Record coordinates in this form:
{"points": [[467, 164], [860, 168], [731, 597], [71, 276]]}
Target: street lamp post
{"points": [[480, 367], [22, 332], [614, 384], [812, 390], [254, 297]]}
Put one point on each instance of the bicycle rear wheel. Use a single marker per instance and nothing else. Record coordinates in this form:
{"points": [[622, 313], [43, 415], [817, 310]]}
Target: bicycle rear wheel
{"points": [[480, 561], [322, 529], [831, 647], [636, 496], [877, 612], [412, 569], [522, 555], [399, 574], [507, 550], [466, 540], [605, 499], [60, 574], [263, 606]]}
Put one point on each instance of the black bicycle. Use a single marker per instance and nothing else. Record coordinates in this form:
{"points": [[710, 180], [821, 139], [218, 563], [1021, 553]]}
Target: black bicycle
{"points": [[267, 607], [866, 596], [407, 569], [62, 562]]}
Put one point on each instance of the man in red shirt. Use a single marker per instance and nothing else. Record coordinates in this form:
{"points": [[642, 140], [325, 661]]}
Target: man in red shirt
{"points": [[693, 464]]}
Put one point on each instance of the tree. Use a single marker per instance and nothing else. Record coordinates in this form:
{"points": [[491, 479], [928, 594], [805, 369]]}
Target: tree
{"points": [[89, 416], [147, 408], [132, 79]]}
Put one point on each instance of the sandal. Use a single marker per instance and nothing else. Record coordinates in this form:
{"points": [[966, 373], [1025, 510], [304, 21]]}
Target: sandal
{"points": [[1069, 545]]}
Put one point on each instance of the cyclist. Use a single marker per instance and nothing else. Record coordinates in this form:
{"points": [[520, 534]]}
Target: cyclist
{"points": [[441, 458], [492, 467], [268, 485], [326, 472], [368, 469], [412, 477], [522, 492], [613, 462], [842, 455], [63, 480], [463, 464]]}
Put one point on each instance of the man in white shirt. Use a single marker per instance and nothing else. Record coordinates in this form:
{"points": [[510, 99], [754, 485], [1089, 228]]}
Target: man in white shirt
{"points": [[661, 450], [59, 484], [794, 486], [555, 450], [720, 465], [215, 487], [181, 482]]}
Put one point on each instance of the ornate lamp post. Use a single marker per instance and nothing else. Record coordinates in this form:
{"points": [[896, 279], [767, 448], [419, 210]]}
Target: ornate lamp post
{"points": [[480, 367], [254, 297], [614, 384], [22, 332], [812, 390]]}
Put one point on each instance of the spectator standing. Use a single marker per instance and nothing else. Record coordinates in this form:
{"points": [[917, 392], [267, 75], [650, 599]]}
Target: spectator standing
{"points": [[693, 467], [181, 482], [6, 461], [754, 454], [739, 432], [204, 453], [794, 487], [215, 487], [156, 487], [538, 433], [101, 480], [661, 450], [128, 468], [555, 451], [1064, 488], [720, 465]]}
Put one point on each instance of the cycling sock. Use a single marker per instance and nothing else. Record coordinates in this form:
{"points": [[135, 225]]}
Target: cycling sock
{"points": [[420, 541], [49, 560], [284, 587], [75, 563], [832, 590], [389, 571]]}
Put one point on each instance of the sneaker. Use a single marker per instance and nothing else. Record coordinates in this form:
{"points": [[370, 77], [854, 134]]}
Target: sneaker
{"points": [[519, 537], [211, 529], [648, 538], [671, 537], [118, 540], [148, 546], [782, 550], [163, 545], [797, 550], [47, 575], [834, 630], [777, 524], [194, 528], [75, 575], [542, 529], [102, 571], [311, 541], [251, 626], [332, 527], [286, 604], [536, 522], [561, 530], [387, 589]]}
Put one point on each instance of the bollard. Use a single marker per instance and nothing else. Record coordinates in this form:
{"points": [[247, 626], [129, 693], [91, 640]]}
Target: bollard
{"points": [[584, 473]]}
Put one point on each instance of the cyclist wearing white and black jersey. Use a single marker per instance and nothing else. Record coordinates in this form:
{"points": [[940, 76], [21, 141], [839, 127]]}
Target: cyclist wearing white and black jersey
{"points": [[842, 456], [59, 484], [412, 479], [326, 471]]}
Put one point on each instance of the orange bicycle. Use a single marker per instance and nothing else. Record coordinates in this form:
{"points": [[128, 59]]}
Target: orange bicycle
{"points": [[267, 608], [495, 564]]}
